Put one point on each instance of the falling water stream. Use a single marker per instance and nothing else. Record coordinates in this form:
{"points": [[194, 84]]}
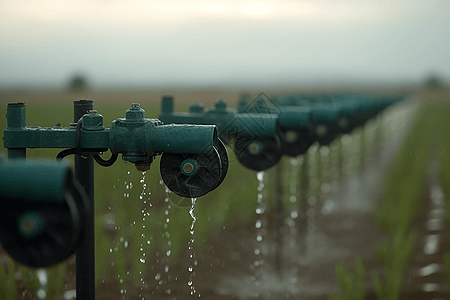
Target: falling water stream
{"points": [[144, 240], [193, 261], [261, 230], [292, 219], [42, 275], [166, 236]]}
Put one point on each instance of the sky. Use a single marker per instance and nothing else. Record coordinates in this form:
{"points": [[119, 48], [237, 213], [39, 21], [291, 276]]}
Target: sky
{"points": [[223, 43]]}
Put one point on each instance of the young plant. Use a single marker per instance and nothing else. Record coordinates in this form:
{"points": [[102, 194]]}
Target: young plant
{"points": [[352, 285], [8, 283]]}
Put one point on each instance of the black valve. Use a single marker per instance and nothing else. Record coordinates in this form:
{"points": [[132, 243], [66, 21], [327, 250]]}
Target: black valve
{"points": [[41, 228], [295, 142], [259, 154], [200, 173]]}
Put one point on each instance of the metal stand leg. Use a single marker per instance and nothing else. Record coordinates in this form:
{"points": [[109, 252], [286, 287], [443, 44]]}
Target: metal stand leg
{"points": [[85, 255]]}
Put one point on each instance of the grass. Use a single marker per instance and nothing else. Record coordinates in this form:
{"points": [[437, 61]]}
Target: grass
{"points": [[141, 222], [402, 195], [8, 282], [403, 192], [117, 196], [352, 286], [444, 168]]}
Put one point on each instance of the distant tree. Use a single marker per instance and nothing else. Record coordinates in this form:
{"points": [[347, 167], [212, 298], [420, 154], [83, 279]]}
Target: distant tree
{"points": [[433, 82], [78, 83]]}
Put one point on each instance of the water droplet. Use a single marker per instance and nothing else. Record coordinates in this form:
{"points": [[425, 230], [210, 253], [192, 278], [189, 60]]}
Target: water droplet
{"points": [[258, 224], [190, 269], [260, 176], [125, 244], [259, 238], [158, 276], [168, 252], [166, 268], [110, 250], [142, 260]]}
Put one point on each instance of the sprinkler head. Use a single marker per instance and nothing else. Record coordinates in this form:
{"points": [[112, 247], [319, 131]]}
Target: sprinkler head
{"points": [[290, 136], [30, 224], [189, 167], [321, 130], [254, 148]]}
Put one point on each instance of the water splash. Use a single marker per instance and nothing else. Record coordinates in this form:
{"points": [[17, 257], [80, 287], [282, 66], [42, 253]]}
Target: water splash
{"points": [[193, 261]]}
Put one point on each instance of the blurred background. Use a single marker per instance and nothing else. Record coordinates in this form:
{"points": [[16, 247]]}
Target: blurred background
{"points": [[43, 44], [120, 52]]}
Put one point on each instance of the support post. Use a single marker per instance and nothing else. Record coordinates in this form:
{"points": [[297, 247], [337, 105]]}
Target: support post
{"points": [[85, 254], [16, 118]]}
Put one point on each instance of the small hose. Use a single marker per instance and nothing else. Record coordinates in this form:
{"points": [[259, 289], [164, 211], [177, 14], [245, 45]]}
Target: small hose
{"points": [[105, 163], [65, 152]]}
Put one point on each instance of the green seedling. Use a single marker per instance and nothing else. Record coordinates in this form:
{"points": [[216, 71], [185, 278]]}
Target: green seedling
{"points": [[352, 286], [447, 265], [8, 282], [56, 278], [394, 255]]}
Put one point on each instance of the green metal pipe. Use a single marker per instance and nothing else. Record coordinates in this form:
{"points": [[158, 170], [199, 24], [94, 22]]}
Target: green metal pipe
{"points": [[36, 180], [15, 120], [183, 138]]}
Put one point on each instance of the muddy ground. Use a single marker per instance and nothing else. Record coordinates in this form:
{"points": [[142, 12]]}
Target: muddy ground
{"points": [[347, 230]]}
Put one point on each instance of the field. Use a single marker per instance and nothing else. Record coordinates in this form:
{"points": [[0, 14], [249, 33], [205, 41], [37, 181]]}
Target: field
{"points": [[367, 194]]}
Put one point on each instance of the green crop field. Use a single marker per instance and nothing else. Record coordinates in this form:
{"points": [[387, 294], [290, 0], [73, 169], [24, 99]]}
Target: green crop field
{"points": [[131, 210]]}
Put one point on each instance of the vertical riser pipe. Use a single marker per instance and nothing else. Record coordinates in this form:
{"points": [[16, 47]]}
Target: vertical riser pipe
{"points": [[16, 118], [85, 255]]}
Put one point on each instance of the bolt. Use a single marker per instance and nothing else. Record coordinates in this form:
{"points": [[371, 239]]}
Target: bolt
{"points": [[290, 136], [16, 104], [188, 167], [254, 148], [93, 111], [135, 105]]}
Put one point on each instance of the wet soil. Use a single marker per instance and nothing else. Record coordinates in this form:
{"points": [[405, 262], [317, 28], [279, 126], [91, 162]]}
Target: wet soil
{"points": [[339, 236]]}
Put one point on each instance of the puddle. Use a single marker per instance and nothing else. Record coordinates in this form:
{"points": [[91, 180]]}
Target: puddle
{"points": [[429, 269], [435, 224], [430, 287], [431, 244]]}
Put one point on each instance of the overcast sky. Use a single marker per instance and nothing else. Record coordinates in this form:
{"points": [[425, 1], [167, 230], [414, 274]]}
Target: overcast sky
{"points": [[223, 43]]}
